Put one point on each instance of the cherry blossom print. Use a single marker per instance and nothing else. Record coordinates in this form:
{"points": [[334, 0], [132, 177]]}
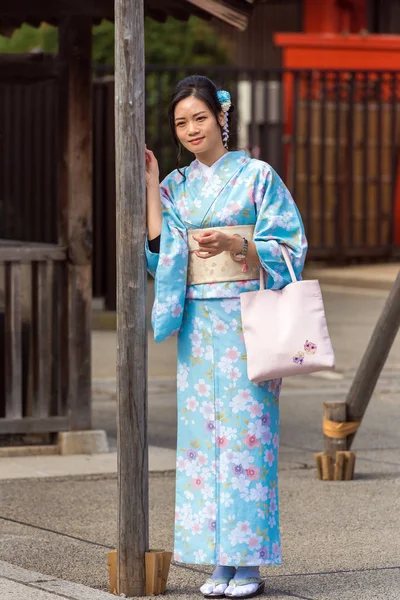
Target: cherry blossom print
{"points": [[245, 458], [230, 306], [197, 483], [253, 473], [233, 354], [220, 327], [207, 410], [255, 409], [202, 388], [254, 542], [228, 428], [202, 458], [191, 403], [165, 260], [266, 419], [225, 364], [266, 435], [269, 457], [234, 374], [251, 441], [195, 337], [222, 442], [191, 454], [259, 493], [198, 351]]}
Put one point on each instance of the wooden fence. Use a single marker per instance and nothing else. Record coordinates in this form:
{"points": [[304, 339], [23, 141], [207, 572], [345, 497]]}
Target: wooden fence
{"points": [[33, 323]]}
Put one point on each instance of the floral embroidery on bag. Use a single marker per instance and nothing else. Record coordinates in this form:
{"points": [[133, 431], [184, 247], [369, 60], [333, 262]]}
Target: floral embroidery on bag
{"points": [[298, 358], [309, 348]]}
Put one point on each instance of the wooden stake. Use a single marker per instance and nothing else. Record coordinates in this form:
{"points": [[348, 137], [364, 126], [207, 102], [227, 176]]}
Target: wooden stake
{"points": [[327, 467], [133, 523], [318, 463], [374, 358], [339, 466], [350, 459]]}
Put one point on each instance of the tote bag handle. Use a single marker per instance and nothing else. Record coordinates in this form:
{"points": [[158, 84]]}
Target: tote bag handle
{"points": [[288, 262]]}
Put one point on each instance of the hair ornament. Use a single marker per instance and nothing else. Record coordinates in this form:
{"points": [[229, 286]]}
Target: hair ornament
{"points": [[224, 98]]}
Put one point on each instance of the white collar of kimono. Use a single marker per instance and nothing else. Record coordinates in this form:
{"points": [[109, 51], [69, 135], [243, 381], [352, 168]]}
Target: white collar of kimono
{"points": [[209, 170]]}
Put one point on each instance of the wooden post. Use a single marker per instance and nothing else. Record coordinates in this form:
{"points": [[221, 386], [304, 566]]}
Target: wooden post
{"points": [[133, 526], [335, 411], [75, 209], [374, 358]]}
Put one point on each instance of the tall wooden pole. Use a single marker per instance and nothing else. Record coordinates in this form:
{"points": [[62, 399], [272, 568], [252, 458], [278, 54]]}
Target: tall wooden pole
{"points": [[133, 526], [75, 213]]}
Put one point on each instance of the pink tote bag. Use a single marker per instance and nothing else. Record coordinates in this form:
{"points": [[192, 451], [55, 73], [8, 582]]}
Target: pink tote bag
{"points": [[285, 331]]}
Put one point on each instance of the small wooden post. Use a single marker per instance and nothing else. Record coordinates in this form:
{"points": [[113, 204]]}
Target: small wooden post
{"points": [[334, 411], [75, 209], [353, 410], [374, 358], [133, 525]]}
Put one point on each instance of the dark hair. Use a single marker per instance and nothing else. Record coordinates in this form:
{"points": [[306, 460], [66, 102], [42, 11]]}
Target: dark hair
{"points": [[199, 87]]}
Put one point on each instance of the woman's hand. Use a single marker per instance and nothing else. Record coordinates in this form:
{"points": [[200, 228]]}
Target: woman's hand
{"points": [[211, 243], [152, 170]]}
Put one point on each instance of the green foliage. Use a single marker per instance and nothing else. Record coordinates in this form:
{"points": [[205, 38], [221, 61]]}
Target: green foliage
{"points": [[27, 38], [190, 43]]}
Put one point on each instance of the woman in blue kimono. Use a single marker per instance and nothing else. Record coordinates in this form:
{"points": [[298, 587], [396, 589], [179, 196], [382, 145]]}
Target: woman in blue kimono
{"points": [[227, 511]]}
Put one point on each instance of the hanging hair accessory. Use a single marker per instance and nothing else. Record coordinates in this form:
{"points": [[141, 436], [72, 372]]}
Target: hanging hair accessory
{"points": [[224, 98]]}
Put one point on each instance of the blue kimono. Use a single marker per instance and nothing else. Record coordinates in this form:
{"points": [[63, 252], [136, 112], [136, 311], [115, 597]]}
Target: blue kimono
{"points": [[228, 428]]}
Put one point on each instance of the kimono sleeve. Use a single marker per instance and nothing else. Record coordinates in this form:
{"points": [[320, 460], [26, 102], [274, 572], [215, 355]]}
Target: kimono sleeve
{"points": [[278, 222], [152, 258], [169, 269]]}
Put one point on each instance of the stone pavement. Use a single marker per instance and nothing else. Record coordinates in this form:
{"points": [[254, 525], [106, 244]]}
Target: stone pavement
{"points": [[58, 515]]}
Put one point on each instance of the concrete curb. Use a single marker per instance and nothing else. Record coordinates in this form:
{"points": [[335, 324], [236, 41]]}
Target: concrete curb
{"points": [[38, 467], [16, 582]]}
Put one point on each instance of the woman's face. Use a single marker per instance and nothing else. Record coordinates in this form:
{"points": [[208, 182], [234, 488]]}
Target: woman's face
{"points": [[196, 126]]}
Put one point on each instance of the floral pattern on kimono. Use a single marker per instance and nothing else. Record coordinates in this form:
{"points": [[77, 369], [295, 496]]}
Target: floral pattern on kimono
{"points": [[228, 428]]}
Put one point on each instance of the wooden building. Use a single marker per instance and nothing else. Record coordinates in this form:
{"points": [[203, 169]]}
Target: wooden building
{"points": [[45, 322]]}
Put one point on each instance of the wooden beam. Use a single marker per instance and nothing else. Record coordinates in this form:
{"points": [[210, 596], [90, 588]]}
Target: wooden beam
{"points": [[133, 518], [34, 425], [223, 12], [26, 69], [157, 15], [27, 254], [57, 9], [75, 208]]}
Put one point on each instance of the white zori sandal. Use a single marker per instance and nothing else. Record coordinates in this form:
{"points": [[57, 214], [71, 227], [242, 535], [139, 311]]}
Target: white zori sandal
{"points": [[214, 588], [245, 588]]}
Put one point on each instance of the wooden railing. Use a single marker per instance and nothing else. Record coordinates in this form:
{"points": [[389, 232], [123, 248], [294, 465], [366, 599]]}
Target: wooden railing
{"points": [[33, 342]]}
